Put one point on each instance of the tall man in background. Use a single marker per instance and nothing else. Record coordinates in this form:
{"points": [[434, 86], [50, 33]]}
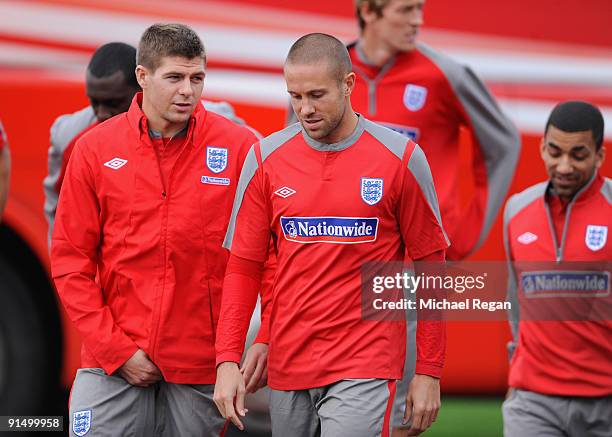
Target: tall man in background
{"points": [[5, 169], [561, 370], [428, 97], [144, 205]]}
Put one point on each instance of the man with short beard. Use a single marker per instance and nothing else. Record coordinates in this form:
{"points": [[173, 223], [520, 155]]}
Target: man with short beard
{"points": [[331, 372], [561, 368], [144, 206]]}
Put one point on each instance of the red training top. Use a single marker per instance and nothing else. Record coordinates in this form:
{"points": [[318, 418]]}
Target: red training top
{"points": [[329, 208]]}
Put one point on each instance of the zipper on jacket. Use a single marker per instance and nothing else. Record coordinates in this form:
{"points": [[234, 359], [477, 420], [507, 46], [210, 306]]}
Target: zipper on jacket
{"points": [[161, 174], [559, 247], [372, 83], [164, 237]]}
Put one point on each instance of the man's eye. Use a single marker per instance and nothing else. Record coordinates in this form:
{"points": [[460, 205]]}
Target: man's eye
{"points": [[580, 156]]}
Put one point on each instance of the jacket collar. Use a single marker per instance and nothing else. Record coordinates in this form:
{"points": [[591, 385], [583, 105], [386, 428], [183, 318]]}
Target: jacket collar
{"points": [[138, 121], [592, 187]]}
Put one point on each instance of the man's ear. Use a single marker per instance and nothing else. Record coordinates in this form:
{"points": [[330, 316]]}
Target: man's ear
{"points": [[349, 83], [542, 147], [142, 76], [367, 15], [600, 157]]}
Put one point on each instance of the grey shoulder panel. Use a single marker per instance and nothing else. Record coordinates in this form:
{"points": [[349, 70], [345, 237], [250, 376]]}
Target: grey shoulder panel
{"points": [[514, 205], [68, 126], [498, 139], [224, 109], [272, 142], [393, 141], [523, 199], [606, 190], [418, 166], [63, 131], [246, 176]]}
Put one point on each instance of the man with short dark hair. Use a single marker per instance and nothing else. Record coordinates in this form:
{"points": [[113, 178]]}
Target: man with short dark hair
{"points": [[332, 192], [5, 169], [561, 368], [110, 84], [144, 206]]}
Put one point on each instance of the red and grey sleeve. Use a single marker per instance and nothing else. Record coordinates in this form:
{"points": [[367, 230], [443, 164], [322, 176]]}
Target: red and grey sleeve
{"points": [[248, 239], [496, 142]]}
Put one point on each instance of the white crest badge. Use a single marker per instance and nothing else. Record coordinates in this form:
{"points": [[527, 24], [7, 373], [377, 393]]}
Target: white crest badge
{"points": [[371, 190], [414, 97], [216, 158], [596, 237], [81, 422]]}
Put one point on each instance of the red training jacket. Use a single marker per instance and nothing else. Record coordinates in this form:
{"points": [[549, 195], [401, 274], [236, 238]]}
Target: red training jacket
{"points": [[428, 97], [157, 246], [559, 357]]}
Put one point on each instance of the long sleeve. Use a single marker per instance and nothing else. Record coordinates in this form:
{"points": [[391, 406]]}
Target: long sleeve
{"points": [[425, 240], [497, 146], [74, 262], [267, 284], [512, 291], [431, 335], [240, 288]]}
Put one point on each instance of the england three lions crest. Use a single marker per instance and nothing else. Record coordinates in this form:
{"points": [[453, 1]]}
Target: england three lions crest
{"points": [[596, 237], [371, 190], [216, 159], [415, 97], [81, 422]]}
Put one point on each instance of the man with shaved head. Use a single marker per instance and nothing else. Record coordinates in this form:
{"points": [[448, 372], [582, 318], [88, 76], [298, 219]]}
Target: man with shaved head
{"points": [[331, 191]]}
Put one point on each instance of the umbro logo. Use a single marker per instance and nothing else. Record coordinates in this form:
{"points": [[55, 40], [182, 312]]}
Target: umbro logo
{"points": [[285, 192], [527, 238], [116, 163]]}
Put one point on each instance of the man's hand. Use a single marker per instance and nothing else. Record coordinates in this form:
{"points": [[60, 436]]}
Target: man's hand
{"points": [[139, 370], [230, 385], [422, 403], [255, 367]]}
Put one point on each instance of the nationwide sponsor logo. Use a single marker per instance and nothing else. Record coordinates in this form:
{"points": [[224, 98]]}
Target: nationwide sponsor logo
{"points": [[212, 180], [371, 190], [216, 158], [81, 422], [285, 192], [596, 237], [340, 230], [527, 238], [565, 284], [408, 131], [415, 97], [115, 163]]}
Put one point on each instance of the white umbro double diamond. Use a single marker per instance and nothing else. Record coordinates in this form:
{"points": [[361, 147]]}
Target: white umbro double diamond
{"points": [[527, 238], [116, 163], [285, 192]]}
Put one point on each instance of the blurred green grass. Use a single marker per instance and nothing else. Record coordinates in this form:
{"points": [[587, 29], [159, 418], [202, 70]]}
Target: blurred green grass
{"points": [[468, 416]]}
